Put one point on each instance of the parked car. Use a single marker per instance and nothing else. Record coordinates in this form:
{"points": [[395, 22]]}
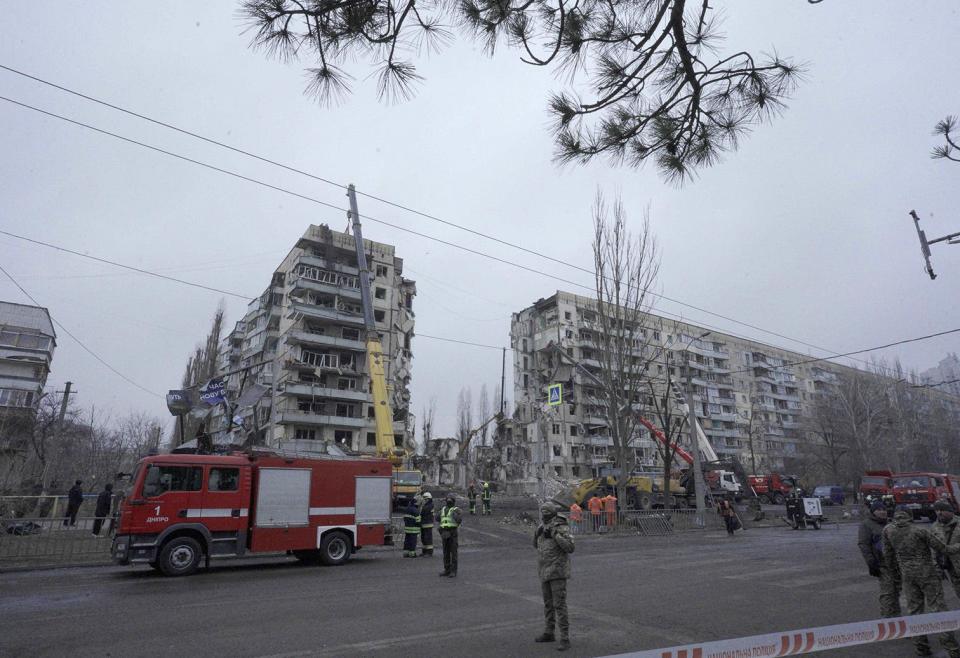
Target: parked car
{"points": [[829, 494]]}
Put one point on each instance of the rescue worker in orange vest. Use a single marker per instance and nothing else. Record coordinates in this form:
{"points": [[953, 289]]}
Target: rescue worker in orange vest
{"points": [[576, 518], [595, 505], [610, 505]]}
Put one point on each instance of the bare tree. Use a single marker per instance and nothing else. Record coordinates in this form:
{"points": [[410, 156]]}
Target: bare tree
{"points": [[429, 415], [950, 149], [646, 78], [754, 424], [201, 367], [626, 267], [483, 413], [464, 413]]}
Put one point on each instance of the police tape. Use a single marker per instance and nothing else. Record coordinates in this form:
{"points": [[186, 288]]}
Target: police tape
{"points": [[811, 640]]}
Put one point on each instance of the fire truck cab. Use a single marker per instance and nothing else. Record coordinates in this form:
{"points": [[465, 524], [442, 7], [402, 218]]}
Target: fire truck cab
{"points": [[184, 508]]}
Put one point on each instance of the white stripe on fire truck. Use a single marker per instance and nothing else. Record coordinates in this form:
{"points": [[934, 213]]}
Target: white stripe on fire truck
{"points": [[321, 511], [214, 512]]}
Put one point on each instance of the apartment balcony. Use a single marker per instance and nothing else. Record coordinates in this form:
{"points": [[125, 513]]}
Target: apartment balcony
{"points": [[307, 390], [723, 431], [790, 397], [775, 431], [599, 461], [593, 419], [601, 441], [328, 314], [311, 338], [308, 418], [704, 350], [726, 417], [314, 261], [303, 283]]}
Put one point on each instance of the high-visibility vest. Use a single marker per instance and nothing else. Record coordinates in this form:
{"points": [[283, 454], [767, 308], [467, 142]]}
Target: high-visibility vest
{"points": [[486, 491], [595, 504], [446, 517], [576, 512], [610, 503]]}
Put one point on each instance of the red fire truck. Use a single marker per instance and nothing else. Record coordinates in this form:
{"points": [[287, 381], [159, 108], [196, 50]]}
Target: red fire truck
{"points": [[773, 488], [920, 490], [184, 508]]}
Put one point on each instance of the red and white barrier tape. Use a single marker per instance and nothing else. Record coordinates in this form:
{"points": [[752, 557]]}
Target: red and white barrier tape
{"points": [[811, 640]]}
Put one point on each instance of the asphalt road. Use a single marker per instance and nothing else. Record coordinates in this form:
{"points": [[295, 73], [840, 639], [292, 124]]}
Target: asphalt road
{"points": [[627, 593]]}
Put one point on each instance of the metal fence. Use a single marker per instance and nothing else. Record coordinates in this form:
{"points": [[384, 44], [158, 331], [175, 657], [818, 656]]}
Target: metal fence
{"points": [[48, 540], [646, 522]]}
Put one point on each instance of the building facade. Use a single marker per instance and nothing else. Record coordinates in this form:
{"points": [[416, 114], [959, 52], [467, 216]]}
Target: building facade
{"points": [[300, 347], [747, 397], [945, 376], [27, 343]]}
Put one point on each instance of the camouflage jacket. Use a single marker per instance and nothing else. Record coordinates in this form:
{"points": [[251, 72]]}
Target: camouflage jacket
{"points": [[949, 533], [907, 547], [554, 545]]}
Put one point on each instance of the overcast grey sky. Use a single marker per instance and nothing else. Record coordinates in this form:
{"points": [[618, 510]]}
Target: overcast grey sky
{"points": [[803, 231]]}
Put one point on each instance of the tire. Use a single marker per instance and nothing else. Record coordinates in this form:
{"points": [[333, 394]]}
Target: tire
{"points": [[335, 549], [816, 525], [180, 556], [682, 503], [644, 502], [309, 556], [764, 499], [778, 498]]}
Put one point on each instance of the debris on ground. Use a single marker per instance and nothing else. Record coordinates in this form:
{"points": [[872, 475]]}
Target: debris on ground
{"points": [[521, 518]]}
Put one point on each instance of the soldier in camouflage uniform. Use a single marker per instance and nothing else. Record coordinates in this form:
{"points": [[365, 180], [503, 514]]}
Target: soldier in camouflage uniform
{"points": [[946, 529], [870, 541], [907, 547], [554, 545]]}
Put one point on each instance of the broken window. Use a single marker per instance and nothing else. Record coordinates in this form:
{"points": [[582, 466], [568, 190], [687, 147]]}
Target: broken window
{"points": [[379, 316], [382, 271], [350, 334], [380, 293], [556, 451], [573, 430], [371, 439], [302, 433], [556, 428], [343, 437], [566, 315]]}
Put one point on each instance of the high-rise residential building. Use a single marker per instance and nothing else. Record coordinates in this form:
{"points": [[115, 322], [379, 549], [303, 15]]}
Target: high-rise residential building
{"points": [[748, 397], [302, 343], [27, 342], [945, 376]]}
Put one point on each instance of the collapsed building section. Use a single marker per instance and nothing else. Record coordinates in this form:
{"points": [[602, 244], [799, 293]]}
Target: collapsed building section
{"points": [[301, 351]]}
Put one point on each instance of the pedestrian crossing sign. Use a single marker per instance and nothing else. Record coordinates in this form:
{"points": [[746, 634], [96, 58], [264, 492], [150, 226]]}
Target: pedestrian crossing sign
{"points": [[555, 395]]}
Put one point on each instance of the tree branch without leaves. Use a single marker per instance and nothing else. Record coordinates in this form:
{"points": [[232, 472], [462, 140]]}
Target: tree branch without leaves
{"points": [[645, 81], [950, 149]]}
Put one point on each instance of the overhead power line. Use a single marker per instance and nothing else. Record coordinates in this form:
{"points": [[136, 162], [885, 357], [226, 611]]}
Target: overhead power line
{"points": [[373, 219], [139, 270], [392, 203], [77, 340]]}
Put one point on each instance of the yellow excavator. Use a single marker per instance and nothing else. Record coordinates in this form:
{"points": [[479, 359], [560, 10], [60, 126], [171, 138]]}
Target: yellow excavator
{"points": [[407, 483]]}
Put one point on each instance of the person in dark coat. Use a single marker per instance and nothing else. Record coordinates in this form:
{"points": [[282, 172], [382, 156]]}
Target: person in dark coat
{"points": [[74, 500], [450, 520], [426, 525], [411, 530], [104, 501]]}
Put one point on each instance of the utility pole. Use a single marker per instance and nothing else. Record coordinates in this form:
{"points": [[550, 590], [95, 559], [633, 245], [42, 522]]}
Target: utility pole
{"points": [[45, 476], [695, 445], [951, 238], [503, 375]]}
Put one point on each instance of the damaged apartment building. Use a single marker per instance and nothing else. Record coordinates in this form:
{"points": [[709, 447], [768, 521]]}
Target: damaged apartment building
{"points": [[747, 397], [302, 353]]}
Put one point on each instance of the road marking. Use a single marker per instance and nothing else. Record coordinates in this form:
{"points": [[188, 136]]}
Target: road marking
{"points": [[363, 648], [626, 626]]}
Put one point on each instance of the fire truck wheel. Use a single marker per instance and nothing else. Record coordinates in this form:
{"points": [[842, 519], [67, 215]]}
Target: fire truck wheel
{"points": [[778, 499], [180, 556], [764, 500], [335, 549]]}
